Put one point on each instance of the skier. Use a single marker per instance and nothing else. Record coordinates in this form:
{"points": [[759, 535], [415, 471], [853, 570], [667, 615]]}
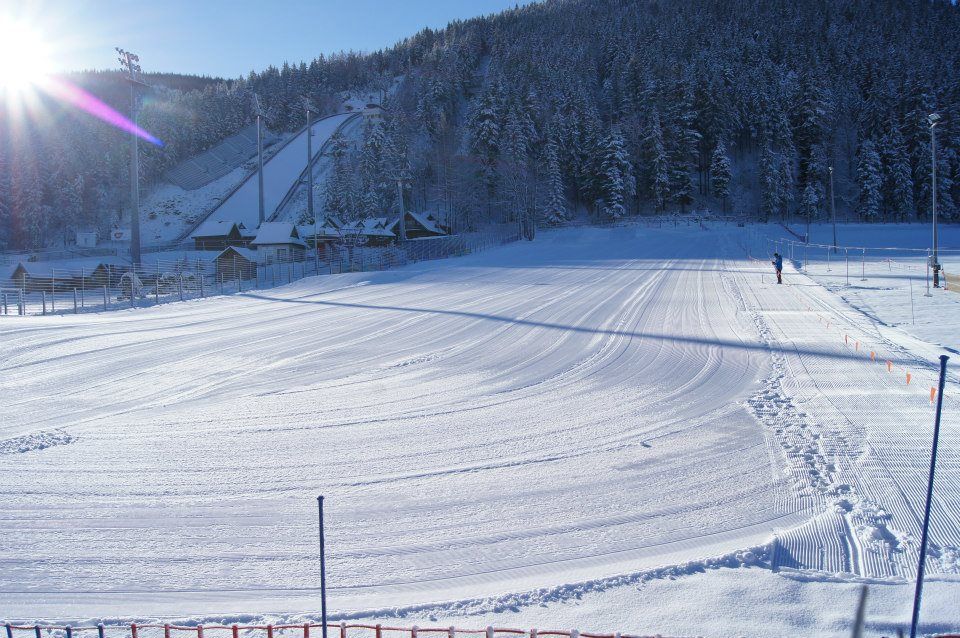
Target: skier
{"points": [[778, 264]]}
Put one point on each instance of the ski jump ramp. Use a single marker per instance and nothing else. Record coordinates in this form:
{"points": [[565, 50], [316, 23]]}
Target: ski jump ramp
{"points": [[281, 174]]}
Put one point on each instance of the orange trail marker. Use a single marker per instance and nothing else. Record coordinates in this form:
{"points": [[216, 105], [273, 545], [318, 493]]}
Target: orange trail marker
{"points": [[873, 355], [889, 366], [933, 395], [908, 378], [846, 339], [857, 347]]}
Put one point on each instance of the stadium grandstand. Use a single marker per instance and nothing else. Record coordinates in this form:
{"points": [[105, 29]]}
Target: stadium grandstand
{"points": [[215, 162]]}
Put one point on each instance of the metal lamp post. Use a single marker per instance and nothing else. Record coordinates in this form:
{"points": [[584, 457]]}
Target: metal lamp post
{"points": [[130, 62], [934, 118], [310, 110], [260, 115], [833, 211]]}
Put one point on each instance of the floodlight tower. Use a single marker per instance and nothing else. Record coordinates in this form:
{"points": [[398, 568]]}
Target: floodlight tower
{"points": [[130, 63], [258, 111], [310, 110], [934, 119]]}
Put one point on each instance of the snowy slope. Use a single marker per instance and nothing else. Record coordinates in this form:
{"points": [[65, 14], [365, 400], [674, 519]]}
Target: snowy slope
{"points": [[594, 403]]}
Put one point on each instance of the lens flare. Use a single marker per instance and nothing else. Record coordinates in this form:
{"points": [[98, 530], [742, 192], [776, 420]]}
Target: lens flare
{"points": [[25, 72], [74, 95]]}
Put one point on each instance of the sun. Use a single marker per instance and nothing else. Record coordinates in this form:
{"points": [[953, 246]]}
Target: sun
{"points": [[25, 58]]}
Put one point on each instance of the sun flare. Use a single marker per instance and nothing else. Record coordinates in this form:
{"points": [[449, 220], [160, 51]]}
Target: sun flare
{"points": [[25, 57]]}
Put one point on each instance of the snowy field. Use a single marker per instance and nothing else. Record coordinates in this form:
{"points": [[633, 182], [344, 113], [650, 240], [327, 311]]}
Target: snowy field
{"points": [[615, 429]]}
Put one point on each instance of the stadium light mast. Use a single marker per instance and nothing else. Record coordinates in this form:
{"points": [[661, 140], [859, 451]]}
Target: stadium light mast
{"points": [[258, 111], [310, 110], [833, 211], [130, 63], [934, 119]]}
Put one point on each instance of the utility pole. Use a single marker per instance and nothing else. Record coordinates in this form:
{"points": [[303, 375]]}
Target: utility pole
{"points": [[918, 591], [833, 211], [259, 113], [130, 62], [323, 570], [934, 118]]}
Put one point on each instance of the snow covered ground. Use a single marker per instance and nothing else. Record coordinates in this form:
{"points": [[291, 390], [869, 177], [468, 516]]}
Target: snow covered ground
{"points": [[616, 429]]}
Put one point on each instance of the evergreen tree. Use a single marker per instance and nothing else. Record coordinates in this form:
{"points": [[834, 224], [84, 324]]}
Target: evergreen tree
{"points": [[554, 209], [659, 164], [869, 181], [616, 176], [720, 174]]}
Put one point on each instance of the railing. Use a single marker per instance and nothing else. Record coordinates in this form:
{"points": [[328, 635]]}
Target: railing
{"points": [[192, 275], [341, 630]]}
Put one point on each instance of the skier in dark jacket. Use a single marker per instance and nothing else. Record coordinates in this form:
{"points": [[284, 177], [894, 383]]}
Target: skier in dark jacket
{"points": [[778, 264]]}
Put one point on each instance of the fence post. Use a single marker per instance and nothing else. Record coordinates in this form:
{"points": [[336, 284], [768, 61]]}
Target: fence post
{"points": [[69, 631], [166, 630], [5, 303], [343, 629], [83, 287], [180, 285], [378, 631], [21, 306], [36, 630], [235, 631], [452, 632], [104, 297], [306, 630], [75, 307], [413, 631], [863, 265], [220, 275], [133, 630], [201, 286], [269, 631], [9, 631], [100, 630], [489, 631], [199, 631], [53, 291], [43, 298]]}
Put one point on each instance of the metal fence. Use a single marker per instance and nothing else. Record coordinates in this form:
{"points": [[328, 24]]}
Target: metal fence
{"points": [[189, 275], [861, 265], [301, 630]]}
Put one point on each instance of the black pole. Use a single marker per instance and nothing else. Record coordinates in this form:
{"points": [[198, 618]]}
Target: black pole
{"points": [[323, 571], [926, 513]]}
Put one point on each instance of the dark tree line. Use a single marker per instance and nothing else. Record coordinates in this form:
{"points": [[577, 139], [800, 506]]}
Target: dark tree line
{"points": [[615, 107]]}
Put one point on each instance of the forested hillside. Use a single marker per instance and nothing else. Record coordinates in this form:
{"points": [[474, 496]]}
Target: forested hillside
{"points": [[615, 107]]}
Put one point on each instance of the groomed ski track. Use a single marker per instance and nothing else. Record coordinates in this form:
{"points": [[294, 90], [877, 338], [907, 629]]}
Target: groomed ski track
{"points": [[597, 402]]}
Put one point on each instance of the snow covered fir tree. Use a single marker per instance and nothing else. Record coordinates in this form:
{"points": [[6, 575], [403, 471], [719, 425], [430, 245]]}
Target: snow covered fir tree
{"points": [[562, 108]]}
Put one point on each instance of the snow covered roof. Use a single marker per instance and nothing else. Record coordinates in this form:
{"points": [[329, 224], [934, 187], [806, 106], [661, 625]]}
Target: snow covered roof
{"points": [[246, 253], [306, 231], [216, 228], [65, 268], [277, 233], [421, 219]]}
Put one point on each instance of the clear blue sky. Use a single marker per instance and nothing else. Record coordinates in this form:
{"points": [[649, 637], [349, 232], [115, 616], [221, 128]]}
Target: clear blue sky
{"points": [[228, 37]]}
